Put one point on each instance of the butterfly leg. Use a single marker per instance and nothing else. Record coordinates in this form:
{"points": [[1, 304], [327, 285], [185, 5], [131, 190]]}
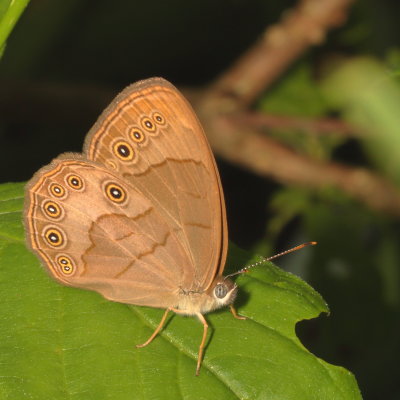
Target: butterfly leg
{"points": [[235, 314], [157, 330], [203, 340]]}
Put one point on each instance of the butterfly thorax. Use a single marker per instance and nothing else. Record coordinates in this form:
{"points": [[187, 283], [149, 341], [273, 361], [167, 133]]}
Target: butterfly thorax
{"points": [[221, 293]]}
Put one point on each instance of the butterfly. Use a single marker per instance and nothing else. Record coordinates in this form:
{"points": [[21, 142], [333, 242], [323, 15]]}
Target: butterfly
{"points": [[139, 216]]}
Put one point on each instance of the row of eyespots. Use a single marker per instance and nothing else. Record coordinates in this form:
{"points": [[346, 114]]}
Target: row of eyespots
{"points": [[124, 150], [53, 210], [148, 125], [53, 235], [72, 181]]}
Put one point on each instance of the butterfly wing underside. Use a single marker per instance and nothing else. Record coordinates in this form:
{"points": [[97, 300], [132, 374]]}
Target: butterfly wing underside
{"points": [[140, 215], [151, 136]]}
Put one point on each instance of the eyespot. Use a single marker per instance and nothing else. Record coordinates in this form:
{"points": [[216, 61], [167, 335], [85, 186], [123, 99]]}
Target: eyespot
{"points": [[160, 120], [54, 237], [148, 124], [74, 182], [115, 192], [136, 135], [123, 150], [56, 190], [65, 264], [52, 210], [220, 291]]}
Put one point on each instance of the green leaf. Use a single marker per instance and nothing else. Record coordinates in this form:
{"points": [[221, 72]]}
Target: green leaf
{"points": [[297, 94], [369, 97], [10, 11], [64, 343], [297, 97]]}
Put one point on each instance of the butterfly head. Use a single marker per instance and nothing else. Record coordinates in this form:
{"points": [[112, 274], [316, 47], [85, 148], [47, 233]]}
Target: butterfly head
{"points": [[223, 292]]}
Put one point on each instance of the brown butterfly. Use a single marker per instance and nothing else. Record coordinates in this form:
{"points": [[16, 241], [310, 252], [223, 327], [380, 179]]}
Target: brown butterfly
{"points": [[139, 216]]}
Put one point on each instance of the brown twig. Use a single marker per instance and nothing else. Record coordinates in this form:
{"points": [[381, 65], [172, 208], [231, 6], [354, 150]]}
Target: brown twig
{"points": [[280, 45], [236, 134], [259, 121], [268, 157]]}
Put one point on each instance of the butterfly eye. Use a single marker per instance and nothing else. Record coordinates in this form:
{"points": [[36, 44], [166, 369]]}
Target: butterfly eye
{"points": [[220, 291]]}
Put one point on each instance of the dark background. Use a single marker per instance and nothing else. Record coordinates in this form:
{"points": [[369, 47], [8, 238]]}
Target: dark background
{"points": [[65, 61]]}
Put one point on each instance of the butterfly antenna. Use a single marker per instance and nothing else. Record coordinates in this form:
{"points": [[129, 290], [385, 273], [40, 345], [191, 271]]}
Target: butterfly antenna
{"points": [[256, 264]]}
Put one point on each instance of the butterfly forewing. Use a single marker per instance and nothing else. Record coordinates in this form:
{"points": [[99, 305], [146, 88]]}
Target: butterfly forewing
{"points": [[151, 137]]}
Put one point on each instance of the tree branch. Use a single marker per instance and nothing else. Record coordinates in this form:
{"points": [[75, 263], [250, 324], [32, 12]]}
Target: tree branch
{"points": [[278, 47]]}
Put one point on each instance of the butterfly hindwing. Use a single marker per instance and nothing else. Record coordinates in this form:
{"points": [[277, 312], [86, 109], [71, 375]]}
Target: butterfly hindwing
{"points": [[94, 230]]}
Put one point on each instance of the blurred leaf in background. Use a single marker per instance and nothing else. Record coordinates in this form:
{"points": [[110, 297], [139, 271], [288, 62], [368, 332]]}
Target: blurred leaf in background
{"points": [[10, 11], [368, 95]]}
